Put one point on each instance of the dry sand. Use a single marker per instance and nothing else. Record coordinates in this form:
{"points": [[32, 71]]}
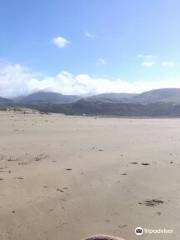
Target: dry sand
{"points": [[64, 177]]}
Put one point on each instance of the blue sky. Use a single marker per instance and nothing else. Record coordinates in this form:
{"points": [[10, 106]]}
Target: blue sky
{"points": [[102, 39]]}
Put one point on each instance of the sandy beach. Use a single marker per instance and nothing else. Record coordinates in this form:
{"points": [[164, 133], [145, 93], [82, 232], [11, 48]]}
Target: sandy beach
{"points": [[66, 177]]}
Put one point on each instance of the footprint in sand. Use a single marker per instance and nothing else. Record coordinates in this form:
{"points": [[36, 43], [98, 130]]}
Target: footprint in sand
{"points": [[159, 213], [122, 226], [108, 221]]}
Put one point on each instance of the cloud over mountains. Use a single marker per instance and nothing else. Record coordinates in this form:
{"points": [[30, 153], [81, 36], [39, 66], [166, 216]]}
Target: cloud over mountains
{"points": [[16, 80]]}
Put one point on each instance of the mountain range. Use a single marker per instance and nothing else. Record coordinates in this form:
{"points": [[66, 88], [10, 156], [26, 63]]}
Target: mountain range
{"points": [[46, 97], [159, 102], [5, 101]]}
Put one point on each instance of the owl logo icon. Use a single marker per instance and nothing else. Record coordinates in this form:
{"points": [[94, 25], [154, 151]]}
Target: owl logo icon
{"points": [[139, 231]]}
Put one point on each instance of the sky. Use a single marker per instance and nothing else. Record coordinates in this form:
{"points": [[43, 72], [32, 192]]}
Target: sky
{"points": [[88, 46]]}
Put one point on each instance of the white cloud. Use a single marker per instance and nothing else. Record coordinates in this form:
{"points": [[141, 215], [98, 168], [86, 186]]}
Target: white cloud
{"points": [[60, 42], [147, 60], [89, 35], [18, 80], [146, 57], [151, 60], [101, 61], [168, 64], [15, 80], [148, 64]]}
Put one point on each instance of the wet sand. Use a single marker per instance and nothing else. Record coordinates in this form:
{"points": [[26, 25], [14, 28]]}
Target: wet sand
{"points": [[64, 177]]}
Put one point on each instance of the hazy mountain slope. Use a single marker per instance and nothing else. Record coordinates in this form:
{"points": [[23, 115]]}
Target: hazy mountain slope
{"points": [[46, 97], [155, 103], [83, 107], [168, 95], [112, 97], [5, 101]]}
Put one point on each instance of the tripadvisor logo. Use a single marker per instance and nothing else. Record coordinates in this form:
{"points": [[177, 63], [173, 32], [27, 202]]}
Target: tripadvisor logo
{"points": [[139, 231]]}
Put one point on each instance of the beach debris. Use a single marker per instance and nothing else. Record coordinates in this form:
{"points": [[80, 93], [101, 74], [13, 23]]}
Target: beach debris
{"points": [[124, 174], [152, 202], [145, 164], [20, 178], [40, 157], [59, 190], [11, 159], [100, 150], [134, 163]]}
